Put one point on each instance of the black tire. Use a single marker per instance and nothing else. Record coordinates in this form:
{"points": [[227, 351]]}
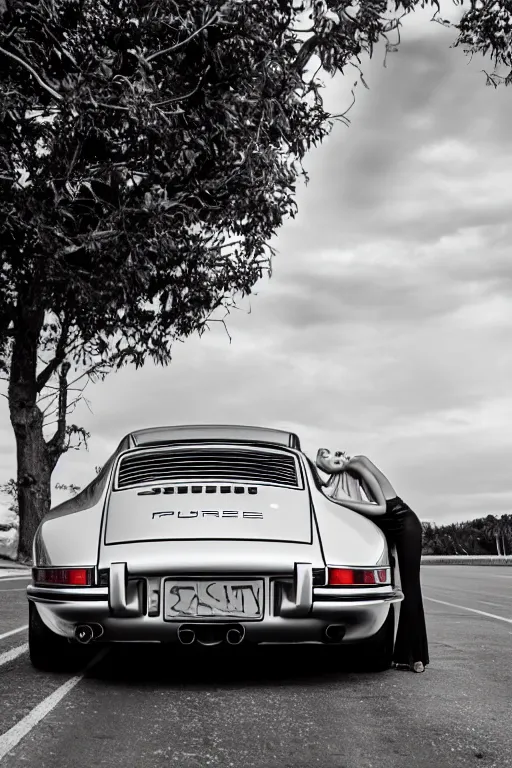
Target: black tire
{"points": [[376, 654], [50, 652]]}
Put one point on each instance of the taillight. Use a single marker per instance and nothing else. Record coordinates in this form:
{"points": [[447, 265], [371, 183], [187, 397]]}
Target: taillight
{"points": [[65, 577], [359, 577]]}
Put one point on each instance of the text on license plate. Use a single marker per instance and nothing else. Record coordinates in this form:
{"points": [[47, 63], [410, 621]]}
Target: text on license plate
{"points": [[200, 598]]}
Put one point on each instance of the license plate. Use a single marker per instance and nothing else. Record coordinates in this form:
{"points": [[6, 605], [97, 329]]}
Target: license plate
{"points": [[203, 598]]}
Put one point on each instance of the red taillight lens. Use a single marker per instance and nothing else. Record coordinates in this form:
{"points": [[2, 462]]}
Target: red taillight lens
{"points": [[341, 576], [68, 577], [358, 576], [81, 577]]}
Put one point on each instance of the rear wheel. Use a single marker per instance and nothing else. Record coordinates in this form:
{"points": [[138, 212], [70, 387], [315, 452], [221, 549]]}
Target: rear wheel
{"points": [[48, 651], [376, 654]]}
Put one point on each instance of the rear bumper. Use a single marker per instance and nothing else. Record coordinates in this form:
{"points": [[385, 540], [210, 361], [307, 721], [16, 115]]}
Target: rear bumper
{"points": [[294, 610]]}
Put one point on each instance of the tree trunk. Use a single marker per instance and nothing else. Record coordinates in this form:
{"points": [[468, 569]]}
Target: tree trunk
{"points": [[496, 536], [34, 488], [34, 467]]}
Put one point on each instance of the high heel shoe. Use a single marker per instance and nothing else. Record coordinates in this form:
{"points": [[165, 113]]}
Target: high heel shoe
{"points": [[418, 666]]}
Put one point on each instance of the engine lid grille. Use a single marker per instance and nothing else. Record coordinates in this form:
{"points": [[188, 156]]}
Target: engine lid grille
{"points": [[208, 464]]}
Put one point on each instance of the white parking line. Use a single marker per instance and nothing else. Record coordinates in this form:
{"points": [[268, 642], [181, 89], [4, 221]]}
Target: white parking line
{"points": [[473, 610], [13, 632], [16, 578], [14, 735], [487, 602], [14, 572], [16, 589], [13, 654]]}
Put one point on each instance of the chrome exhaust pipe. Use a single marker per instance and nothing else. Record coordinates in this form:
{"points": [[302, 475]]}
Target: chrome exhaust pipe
{"points": [[235, 636], [186, 636], [334, 633], [97, 631], [84, 633]]}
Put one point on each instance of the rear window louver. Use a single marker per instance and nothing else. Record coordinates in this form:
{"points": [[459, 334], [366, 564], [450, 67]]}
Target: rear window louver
{"points": [[208, 465]]}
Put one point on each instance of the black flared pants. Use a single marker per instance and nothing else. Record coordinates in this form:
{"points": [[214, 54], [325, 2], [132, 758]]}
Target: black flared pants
{"points": [[403, 530]]}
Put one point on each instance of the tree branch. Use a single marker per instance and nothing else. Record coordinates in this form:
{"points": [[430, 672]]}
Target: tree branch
{"points": [[47, 412], [60, 352], [56, 444], [111, 106], [185, 95], [211, 21], [306, 52], [32, 71], [91, 371]]}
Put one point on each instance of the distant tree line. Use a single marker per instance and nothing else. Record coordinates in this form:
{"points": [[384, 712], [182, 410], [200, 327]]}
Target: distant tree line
{"points": [[484, 536]]}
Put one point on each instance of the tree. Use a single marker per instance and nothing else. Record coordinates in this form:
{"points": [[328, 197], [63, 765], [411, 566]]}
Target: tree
{"points": [[486, 28], [494, 530], [149, 150], [506, 521], [11, 489], [482, 536]]}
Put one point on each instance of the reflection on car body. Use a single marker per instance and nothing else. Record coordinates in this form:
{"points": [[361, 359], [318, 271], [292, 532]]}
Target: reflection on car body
{"points": [[225, 528]]}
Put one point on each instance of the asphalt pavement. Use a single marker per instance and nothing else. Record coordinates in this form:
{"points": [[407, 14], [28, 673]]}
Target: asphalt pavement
{"points": [[149, 707]]}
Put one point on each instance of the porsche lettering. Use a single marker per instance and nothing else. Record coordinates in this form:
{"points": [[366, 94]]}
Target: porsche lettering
{"points": [[196, 513]]}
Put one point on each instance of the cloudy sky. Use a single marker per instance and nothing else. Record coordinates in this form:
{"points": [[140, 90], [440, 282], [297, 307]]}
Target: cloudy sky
{"points": [[386, 326]]}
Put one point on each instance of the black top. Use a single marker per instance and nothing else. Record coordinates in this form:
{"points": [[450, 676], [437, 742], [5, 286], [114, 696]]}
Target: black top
{"points": [[396, 515]]}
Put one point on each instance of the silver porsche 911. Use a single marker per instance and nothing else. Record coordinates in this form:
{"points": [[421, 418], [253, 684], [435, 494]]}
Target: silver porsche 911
{"points": [[209, 535]]}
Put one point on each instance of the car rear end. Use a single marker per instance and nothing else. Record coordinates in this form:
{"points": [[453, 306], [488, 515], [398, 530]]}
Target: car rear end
{"points": [[216, 543]]}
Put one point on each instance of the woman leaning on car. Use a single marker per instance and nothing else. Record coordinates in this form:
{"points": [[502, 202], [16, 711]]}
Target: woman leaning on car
{"points": [[402, 529]]}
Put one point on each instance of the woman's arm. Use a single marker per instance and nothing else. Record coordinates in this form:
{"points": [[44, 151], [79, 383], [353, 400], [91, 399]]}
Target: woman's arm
{"points": [[363, 461], [368, 509]]}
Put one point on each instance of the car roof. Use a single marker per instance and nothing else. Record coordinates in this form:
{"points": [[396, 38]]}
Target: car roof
{"points": [[214, 433]]}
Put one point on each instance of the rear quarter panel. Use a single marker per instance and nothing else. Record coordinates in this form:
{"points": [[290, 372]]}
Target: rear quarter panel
{"points": [[70, 533], [69, 540]]}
